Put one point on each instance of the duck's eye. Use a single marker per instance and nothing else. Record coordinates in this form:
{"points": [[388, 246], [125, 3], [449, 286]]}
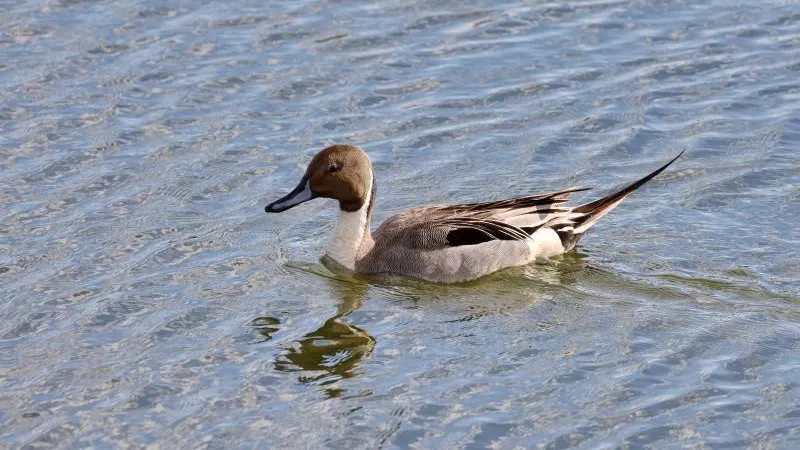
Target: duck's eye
{"points": [[333, 168]]}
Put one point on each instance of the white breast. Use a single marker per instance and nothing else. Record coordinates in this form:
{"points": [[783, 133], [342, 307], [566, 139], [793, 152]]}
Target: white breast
{"points": [[348, 236]]}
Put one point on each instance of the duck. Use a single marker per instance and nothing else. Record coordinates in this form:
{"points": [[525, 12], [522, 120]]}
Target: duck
{"points": [[442, 244]]}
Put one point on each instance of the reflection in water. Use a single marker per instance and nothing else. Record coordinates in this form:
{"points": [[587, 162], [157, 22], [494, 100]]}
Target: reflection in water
{"points": [[506, 291], [266, 326], [334, 350]]}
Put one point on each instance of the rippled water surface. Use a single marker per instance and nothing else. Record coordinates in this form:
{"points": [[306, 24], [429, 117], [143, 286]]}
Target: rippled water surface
{"points": [[147, 300]]}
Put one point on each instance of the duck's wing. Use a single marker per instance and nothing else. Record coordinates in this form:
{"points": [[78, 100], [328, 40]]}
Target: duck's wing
{"points": [[513, 219], [513, 205], [439, 227]]}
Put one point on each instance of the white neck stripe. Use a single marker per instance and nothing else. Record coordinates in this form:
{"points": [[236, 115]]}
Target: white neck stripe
{"points": [[348, 236]]}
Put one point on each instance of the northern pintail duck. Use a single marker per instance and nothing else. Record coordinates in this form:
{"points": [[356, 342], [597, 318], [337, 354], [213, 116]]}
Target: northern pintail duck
{"points": [[445, 244]]}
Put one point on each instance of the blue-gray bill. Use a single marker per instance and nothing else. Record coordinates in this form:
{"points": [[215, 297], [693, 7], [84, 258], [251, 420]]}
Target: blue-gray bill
{"points": [[301, 194]]}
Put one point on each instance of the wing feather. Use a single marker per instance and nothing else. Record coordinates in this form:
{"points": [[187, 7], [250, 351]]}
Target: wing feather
{"points": [[475, 223]]}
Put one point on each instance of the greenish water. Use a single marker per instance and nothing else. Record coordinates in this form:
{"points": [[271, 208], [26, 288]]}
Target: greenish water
{"points": [[148, 301]]}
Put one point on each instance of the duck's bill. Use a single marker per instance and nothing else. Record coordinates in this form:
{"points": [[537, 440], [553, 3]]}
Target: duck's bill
{"points": [[301, 194]]}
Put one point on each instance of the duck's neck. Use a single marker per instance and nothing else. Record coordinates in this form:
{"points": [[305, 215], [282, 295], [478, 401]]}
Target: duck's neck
{"points": [[352, 239]]}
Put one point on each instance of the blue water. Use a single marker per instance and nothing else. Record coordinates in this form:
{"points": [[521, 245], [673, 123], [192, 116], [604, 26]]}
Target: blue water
{"points": [[148, 301]]}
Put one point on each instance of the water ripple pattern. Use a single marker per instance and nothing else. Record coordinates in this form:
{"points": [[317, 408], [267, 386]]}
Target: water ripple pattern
{"points": [[147, 300]]}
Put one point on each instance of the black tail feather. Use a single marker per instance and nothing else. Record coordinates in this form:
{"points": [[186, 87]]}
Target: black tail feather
{"points": [[595, 210]]}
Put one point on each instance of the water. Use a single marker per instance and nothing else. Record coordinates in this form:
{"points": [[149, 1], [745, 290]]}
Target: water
{"points": [[148, 301]]}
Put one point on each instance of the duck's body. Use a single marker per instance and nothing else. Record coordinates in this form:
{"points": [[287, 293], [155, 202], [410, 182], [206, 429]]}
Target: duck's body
{"points": [[443, 244]]}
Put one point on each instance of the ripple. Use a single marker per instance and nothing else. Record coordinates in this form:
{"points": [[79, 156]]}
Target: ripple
{"points": [[150, 302]]}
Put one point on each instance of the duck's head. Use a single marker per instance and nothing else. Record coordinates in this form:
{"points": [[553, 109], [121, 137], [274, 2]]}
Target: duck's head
{"points": [[340, 172]]}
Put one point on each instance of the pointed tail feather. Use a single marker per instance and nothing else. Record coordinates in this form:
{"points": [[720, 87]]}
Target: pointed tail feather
{"points": [[595, 210]]}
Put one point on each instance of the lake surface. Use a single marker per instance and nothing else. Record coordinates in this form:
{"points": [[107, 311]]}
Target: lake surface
{"points": [[148, 301]]}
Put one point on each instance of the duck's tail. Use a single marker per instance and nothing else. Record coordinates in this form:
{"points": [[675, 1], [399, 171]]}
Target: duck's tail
{"points": [[571, 233]]}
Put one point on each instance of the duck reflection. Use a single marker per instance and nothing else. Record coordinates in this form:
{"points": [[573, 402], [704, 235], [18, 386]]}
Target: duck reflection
{"points": [[334, 350], [266, 326]]}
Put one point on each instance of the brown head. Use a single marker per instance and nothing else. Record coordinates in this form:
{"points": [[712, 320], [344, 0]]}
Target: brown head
{"points": [[340, 172]]}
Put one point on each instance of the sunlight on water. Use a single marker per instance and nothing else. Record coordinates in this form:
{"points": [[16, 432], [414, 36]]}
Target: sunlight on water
{"points": [[148, 301]]}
